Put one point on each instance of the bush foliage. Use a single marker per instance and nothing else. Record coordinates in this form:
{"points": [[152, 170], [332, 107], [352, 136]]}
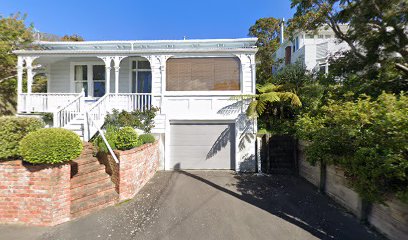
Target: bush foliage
{"points": [[368, 138], [147, 138], [12, 130], [127, 139], [137, 119], [118, 138], [50, 146]]}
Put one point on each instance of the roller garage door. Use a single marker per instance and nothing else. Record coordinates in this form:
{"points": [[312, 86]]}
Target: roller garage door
{"points": [[202, 146]]}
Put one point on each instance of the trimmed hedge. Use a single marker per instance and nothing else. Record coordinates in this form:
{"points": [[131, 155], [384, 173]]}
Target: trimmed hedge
{"points": [[50, 146], [147, 138], [127, 139], [12, 130]]}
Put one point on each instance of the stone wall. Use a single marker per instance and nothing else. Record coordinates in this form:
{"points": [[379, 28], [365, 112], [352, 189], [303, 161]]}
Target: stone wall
{"points": [[135, 168], [34, 195], [390, 219]]}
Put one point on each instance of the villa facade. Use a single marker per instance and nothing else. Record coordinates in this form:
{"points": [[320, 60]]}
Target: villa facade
{"points": [[192, 82]]}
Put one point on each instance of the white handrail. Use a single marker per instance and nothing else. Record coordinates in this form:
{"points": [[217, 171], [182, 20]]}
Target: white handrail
{"points": [[96, 113], [69, 112], [105, 141], [119, 101]]}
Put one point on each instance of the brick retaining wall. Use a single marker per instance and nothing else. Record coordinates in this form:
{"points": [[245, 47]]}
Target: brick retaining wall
{"points": [[34, 195], [135, 168], [41, 195]]}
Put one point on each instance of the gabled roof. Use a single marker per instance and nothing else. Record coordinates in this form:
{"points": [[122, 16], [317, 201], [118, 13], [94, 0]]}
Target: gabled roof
{"points": [[143, 46]]}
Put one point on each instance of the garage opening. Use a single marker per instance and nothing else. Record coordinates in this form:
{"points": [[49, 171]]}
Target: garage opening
{"points": [[202, 146]]}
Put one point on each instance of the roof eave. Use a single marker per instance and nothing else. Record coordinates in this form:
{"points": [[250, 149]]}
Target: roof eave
{"points": [[138, 51]]}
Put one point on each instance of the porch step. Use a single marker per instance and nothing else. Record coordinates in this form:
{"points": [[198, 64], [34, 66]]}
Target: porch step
{"points": [[91, 187], [93, 202], [102, 185], [89, 178], [91, 165], [99, 204]]}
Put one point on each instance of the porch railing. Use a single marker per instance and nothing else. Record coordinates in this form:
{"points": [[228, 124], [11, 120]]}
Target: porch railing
{"points": [[95, 116], [43, 102], [65, 115], [131, 101]]}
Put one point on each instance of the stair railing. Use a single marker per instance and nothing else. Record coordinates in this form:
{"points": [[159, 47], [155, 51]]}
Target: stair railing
{"points": [[95, 116], [98, 129], [69, 112]]}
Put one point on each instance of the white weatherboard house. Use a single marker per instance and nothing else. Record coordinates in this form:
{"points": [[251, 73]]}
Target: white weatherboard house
{"points": [[193, 82], [312, 49]]}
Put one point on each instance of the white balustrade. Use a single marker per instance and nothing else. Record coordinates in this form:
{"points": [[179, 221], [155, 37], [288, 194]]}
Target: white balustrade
{"points": [[95, 116], [44, 102]]}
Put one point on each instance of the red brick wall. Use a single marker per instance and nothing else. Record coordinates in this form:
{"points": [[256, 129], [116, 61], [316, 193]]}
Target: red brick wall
{"points": [[135, 168], [35, 195]]}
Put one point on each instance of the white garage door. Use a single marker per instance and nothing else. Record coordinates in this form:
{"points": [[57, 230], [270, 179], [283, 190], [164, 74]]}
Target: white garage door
{"points": [[202, 146]]}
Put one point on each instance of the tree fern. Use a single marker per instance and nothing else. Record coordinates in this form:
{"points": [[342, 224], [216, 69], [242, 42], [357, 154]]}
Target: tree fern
{"points": [[270, 93]]}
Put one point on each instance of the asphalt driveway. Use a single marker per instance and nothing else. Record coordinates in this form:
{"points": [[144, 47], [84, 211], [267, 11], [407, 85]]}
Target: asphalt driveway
{"points": [[212, 205]]}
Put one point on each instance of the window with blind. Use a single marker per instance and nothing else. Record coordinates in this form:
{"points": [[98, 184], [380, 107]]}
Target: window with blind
{"points": [[203, 74]]}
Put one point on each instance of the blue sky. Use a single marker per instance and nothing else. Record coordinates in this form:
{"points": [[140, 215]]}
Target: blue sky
{"points": [[148, 19]]}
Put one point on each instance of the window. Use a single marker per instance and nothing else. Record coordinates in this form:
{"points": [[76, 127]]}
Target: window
{"points": [[203, 74], [321, 36], [288, 55], [98, 76], [141, 77], [90, 77], [81, 78], [309, 36], [324, 68], [327, 36], [296, 43]]}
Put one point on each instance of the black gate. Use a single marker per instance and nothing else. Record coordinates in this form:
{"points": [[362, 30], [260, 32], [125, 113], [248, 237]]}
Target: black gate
{"points": [[279, 154]]}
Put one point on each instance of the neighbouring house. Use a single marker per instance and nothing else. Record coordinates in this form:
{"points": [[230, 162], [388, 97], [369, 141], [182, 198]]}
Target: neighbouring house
{"points": [[200, 125], [311, 49]]}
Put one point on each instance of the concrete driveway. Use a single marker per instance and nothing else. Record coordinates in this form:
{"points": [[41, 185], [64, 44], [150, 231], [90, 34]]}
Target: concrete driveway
{"points": [[212, 205]]}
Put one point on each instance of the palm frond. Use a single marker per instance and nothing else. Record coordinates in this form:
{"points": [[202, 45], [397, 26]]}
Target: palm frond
{"points": [[292, 97], [243, 97], [252, 110], [270, 97], [269, 87]]}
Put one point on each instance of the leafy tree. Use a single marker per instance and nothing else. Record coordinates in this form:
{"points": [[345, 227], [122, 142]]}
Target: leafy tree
{"points": [[14, 34], [267, 30], [377, 36], [72, 38]]}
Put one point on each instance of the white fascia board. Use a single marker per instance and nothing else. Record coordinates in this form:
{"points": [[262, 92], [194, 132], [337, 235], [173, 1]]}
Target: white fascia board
{"points": [[133, 52]]}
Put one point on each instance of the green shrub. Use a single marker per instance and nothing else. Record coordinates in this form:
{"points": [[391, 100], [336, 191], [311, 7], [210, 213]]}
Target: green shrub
{"points": [[50, 146], [12, 130], [137, 119], [367, 138], [122, 139], [147, 138], [110, 135], [127, 139]]}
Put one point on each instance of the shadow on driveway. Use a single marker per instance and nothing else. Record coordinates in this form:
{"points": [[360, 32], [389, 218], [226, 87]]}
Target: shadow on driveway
{"points": [[294, 200]]}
